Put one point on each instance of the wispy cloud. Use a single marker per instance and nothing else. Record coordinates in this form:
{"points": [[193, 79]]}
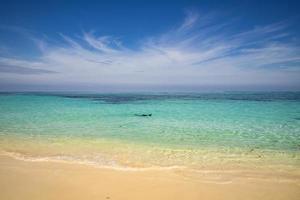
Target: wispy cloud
{"points": [[189, 21], [23, 70], [202, 50]]}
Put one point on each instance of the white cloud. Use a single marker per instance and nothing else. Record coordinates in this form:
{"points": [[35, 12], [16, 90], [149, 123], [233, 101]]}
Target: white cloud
{"points": [[198, 52]]}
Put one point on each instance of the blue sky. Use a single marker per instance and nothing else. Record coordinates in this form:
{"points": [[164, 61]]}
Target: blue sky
{"points": [[142, 46]]}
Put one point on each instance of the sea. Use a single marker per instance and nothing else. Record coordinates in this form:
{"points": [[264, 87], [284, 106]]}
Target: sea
{"points": [[199, 131]]}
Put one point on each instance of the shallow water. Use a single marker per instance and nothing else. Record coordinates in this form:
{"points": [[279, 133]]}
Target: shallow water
{"points": [[198, 130]]}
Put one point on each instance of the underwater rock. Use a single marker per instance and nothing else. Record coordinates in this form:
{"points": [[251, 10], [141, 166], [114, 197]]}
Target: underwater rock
{"points": [[143, 115]]}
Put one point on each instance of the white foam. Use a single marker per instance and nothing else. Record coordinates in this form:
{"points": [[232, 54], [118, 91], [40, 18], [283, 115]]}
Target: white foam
{"points": [[73, 160]]}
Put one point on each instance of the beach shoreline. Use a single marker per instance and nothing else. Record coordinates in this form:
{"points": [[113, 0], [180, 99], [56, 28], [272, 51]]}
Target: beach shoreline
{"points": [[218, 146], [57, 180]]}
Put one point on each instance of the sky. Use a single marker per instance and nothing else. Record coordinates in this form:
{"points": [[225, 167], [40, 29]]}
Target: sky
{"points": [[109, 46]]}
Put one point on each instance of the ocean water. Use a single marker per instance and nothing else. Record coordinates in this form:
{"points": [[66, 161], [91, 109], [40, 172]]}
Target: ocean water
{"points": [[205, 130]]}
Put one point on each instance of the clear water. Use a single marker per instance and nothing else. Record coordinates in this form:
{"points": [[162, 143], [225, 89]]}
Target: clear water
{"points": [[184, 129]]}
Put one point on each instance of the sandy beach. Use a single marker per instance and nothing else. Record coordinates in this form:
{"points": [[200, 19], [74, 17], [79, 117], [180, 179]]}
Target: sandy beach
{"points": [[53, 180]]}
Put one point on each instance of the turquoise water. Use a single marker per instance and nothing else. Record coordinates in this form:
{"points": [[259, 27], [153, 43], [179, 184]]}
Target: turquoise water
{"points": [[226, 124]]}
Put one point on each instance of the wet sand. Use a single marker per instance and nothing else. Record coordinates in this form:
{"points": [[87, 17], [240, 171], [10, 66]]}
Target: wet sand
{"points": [[52, 180]]}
